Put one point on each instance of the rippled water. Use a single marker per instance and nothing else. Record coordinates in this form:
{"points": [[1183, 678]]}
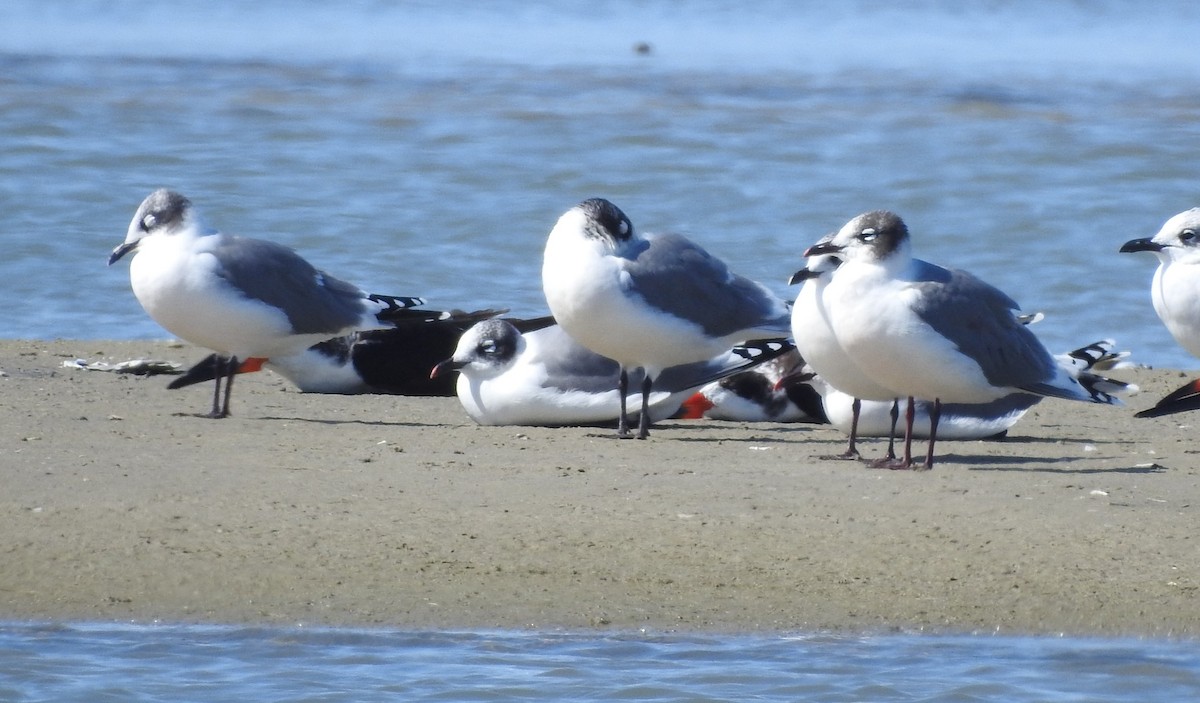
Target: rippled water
{"points": [[426, 148], [419, 149], [170, 663]]}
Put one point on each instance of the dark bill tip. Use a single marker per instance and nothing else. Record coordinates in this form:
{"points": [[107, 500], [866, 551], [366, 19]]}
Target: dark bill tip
{"points": [[1143, 244], [121, 251]]}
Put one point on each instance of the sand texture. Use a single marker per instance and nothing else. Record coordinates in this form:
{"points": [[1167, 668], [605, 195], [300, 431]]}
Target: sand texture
{"points": [[117, 504]]}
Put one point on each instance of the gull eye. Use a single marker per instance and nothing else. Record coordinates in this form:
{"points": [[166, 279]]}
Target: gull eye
{"points": [[868, 235], [624, 227], [1187, 235], [148, 222], [487, 347]]}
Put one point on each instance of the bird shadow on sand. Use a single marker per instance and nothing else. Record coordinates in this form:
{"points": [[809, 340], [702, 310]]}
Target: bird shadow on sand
{"points": [[1041, 464], [721, 432], [757, 439], [1011, 439], [365, 423]]}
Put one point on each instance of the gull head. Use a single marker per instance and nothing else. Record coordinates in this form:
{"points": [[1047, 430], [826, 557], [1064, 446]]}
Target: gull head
{"points": [[1177, 241], [163, 212], [872, 237], [816, 265], [598, 220], [486, 349]]}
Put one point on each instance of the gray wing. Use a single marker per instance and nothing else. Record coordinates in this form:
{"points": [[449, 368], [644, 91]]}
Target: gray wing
{"points": [[570, 366], [677, 276], [981, 321], [313, 301], [1006, 405]]}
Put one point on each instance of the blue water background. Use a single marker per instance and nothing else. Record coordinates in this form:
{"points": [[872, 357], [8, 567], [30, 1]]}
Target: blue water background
{"points": [[427, 148], [170, 663]]}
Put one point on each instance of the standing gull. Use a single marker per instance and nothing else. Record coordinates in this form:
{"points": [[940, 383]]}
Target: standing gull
{"points": [[928, 332], [1175, 292], [990, 420], [243, 298], [813, 332], [648, 302], [786, 389]]}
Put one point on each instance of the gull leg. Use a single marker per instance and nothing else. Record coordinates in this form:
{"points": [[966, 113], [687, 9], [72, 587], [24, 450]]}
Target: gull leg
{"points": [[906, 462], [644, 420], [935, 415], [233, 369], [910, 414], [227, 367], [852, 448], [623, 419], [219, 370], [895, 415]]}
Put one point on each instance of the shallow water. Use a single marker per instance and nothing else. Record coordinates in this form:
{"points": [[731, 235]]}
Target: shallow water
{"points": [[419, 150], [170, 663]]}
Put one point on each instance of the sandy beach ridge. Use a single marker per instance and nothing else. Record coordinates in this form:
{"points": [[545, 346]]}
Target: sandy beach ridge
{"points": [[400, 512]]}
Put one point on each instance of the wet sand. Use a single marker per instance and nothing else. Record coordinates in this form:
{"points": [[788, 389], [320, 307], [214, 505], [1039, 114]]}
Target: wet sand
{"points": [[120, 505]]}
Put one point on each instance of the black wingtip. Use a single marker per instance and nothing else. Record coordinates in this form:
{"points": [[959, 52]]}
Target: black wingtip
{"points": [[1182, 399], [204, 370], [763, 350], [396, 302]]}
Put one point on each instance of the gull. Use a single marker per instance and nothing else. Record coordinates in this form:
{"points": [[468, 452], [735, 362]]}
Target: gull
{"points": [[394, 361], [648, 302], [786, 389], [966, 421], [544, 377], [1175, 292], [924, 331], [240, 297], [813, 333]]}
